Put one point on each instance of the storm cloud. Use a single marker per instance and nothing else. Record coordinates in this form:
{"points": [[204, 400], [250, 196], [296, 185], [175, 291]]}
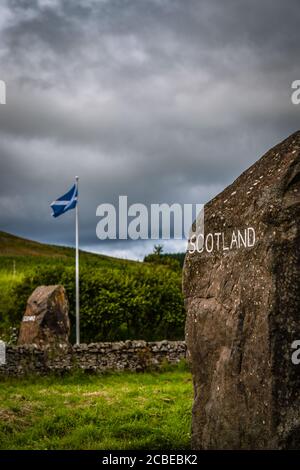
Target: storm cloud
{"points": [[161, 100]]}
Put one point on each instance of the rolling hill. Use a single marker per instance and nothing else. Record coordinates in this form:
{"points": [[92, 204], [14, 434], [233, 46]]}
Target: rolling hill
{"points": [[12, 245], [32, 252]]}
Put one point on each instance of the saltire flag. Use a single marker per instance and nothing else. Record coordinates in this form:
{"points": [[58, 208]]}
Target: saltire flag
{"points": [[66, 202]]}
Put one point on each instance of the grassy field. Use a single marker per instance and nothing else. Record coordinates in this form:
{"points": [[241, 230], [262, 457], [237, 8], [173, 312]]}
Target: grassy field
{"points": [[111, 411]]}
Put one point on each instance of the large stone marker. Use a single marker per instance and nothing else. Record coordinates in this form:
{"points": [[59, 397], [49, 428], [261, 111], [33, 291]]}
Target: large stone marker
{"points": [[242, 293], [46, 321]]}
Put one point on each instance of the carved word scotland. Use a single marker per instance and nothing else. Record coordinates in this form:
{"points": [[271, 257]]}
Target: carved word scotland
{"points": [[221, 241]]}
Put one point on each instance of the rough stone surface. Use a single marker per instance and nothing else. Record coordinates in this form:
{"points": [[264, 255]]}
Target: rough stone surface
{"points": [[243, 310], [46, 319], [94, 357]]}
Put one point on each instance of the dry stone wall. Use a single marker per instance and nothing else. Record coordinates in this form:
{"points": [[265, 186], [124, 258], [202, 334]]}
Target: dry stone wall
{"points": [[94, 357]]}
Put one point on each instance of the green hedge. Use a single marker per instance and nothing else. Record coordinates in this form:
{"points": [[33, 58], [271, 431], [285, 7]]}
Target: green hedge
{"points": [[116, 304]]}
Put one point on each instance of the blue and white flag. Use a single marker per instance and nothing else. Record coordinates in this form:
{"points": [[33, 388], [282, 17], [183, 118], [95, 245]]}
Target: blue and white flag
{"points": [[66, 202]]}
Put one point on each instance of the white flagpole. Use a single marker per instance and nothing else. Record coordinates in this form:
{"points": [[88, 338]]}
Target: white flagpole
{"points": [[77, 266]]}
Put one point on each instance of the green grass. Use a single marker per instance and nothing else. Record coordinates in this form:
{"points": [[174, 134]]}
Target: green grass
{"points": [[111, 411]]}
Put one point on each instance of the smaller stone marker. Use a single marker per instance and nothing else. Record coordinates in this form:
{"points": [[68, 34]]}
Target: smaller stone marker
{"points": [[46, 319]]}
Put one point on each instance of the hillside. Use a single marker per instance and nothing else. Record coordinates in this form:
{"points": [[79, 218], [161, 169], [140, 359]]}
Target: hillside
{"points": [[12, 246]]}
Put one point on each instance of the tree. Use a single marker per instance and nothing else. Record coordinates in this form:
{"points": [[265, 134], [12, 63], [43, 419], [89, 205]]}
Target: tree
{"points": [[158, 249]]}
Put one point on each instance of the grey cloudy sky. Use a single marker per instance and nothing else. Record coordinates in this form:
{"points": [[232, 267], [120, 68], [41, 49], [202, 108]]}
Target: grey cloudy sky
{"points": [[160, 100]]}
